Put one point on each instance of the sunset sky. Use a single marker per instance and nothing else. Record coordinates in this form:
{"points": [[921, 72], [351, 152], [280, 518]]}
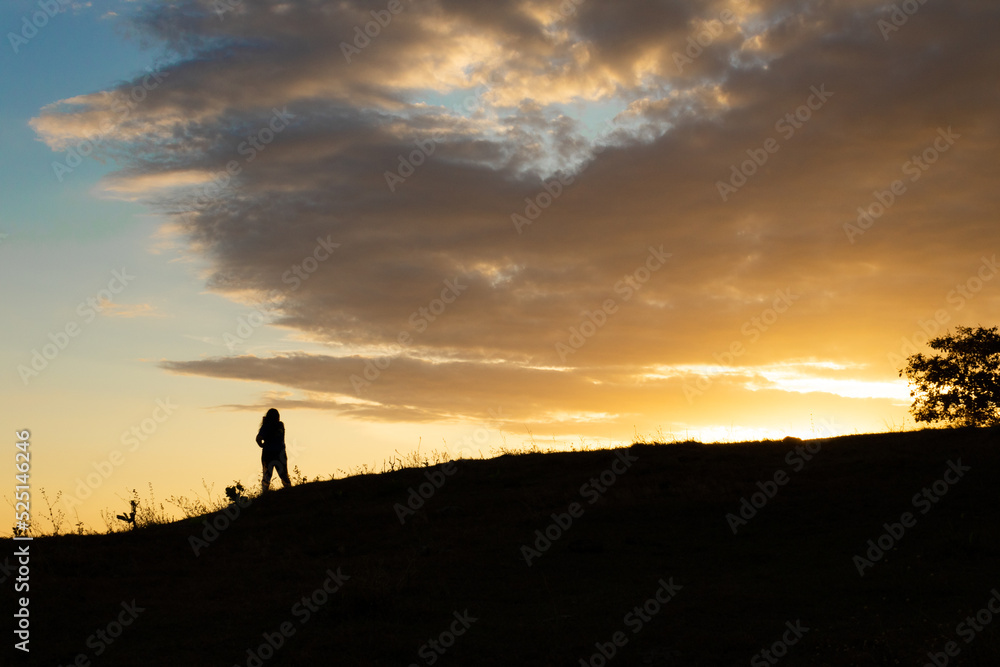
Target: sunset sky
{"points": [[440, 221]]}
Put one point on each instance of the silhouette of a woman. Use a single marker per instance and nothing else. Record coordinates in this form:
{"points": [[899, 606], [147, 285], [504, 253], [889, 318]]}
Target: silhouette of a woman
{"points": [[271, 440]]}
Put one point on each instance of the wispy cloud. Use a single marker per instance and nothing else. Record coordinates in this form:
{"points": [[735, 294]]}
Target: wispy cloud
{"points": [[129, 310]]}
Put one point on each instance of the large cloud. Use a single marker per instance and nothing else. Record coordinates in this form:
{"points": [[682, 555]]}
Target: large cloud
{"points": [[510, 95]]}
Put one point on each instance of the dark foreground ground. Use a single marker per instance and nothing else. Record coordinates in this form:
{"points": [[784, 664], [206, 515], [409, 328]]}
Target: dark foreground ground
{"points": [[454, 574]]}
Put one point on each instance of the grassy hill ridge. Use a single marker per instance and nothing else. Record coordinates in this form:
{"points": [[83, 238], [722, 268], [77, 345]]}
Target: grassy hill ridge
{"points": [[639, 566]]}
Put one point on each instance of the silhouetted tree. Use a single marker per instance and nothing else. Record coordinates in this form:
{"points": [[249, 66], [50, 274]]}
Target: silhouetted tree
{"points": [[960, 386]]}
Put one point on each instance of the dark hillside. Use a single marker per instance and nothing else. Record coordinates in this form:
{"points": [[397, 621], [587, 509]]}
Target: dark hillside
{"points": [[455, 572]]}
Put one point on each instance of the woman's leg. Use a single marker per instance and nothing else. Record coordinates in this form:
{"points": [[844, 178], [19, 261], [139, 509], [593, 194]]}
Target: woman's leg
{"points": [[282, 465], [268, 469]]}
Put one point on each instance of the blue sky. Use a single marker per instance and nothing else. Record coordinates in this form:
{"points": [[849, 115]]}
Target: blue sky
{"points": [[77, 52]]}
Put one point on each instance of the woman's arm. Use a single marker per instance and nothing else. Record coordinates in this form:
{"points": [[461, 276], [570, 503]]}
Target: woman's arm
{"points": [[260, 438]]}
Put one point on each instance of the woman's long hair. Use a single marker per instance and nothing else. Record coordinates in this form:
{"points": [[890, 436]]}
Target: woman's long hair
{"points": [[270, 420]]}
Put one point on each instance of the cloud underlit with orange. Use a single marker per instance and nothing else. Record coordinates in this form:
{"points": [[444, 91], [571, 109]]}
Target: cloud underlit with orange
{"points": [[596, 215]]}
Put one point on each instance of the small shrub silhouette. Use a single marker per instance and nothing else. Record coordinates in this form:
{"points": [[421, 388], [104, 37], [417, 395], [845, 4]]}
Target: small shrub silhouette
{"points": [[236, 494], [55, 515], [129, 518]]}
